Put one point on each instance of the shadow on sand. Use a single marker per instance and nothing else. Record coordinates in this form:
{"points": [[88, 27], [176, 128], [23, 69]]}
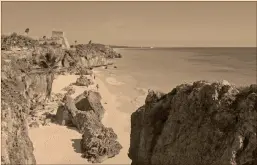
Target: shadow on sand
{"points": [[76, 145]]}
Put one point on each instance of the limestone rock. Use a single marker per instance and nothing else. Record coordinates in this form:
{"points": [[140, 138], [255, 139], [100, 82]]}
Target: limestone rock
{"points": [[84, 71], [84, 81], [16, 146], [201, 123], [90, 100], [97, 142], [62, 116]]}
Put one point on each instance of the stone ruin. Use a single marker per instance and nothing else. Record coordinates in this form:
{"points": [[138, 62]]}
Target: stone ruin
{"points": [[57, 37]]}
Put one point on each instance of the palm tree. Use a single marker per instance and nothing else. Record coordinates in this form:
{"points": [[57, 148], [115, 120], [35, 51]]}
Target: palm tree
{"points": [[90, 47], [49, 62], [27, 31]]}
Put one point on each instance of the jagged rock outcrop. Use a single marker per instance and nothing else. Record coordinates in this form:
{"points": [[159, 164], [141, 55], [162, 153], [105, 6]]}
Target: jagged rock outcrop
{"points": [[98, 142], [197, 124], [90, 101], [16, 145], [92, 49], [83, 81], [84, 71], [75, 58], [22, 92]]}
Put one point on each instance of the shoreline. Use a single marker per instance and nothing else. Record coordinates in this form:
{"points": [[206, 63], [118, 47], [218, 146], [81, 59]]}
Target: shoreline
{"points": [[56, 144]]}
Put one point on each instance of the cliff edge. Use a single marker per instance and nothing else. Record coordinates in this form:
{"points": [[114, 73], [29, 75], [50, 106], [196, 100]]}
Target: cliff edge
{"points": [[196, 124]]}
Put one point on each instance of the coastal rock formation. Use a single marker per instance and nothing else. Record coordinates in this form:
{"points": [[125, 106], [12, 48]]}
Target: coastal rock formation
{"points": [[63, 117], [74, 58], [84, 110], [16, 145], [92, 49], [27, 74], [197, 124], [98, 142], [90, 101], [84, 81], [84, 71]]}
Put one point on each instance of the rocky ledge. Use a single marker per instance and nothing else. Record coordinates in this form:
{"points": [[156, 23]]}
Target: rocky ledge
{"points": [[197, 124]]}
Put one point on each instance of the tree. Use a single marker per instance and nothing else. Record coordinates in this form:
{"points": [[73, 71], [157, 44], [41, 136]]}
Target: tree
{"points": [[90, 42], [27, 31], [76, 42], [49, 62], [44, 37]]}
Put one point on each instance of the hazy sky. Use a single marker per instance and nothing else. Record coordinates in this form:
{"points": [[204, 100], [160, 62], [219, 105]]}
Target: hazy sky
{"points": [[137, 23]]}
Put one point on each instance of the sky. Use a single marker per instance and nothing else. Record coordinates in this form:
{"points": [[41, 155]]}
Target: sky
{"points": [[171, 24]]}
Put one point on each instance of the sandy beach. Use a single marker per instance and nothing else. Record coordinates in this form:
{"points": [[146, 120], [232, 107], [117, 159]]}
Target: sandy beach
{"points": [[55, 144]]}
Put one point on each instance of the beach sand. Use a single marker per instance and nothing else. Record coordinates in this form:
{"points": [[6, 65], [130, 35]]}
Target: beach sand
{"points": [[55, 144]]}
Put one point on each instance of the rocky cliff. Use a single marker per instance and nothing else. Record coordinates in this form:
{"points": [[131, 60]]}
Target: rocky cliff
{"points": [[196, 124], [27, 77], [22, 91], [16, 145]]}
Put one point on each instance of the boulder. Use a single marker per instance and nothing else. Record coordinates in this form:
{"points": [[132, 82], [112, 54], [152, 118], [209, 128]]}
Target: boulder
{"points": [[63, 116], [90, 100], [84, 71], [98, 142], [84, 81], [201, 123]]}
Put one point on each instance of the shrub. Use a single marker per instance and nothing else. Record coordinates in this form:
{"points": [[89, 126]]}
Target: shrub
{"points": [[16, 40]]}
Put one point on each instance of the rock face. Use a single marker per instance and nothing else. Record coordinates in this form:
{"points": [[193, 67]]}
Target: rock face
{"points": [[22, 91], [37, 86], [16, 145], [98, 142], [90, 101], [201, 123], [82, 59]]}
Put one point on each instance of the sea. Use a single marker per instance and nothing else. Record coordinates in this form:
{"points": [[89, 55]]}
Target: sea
{"points": [[164, 68]]}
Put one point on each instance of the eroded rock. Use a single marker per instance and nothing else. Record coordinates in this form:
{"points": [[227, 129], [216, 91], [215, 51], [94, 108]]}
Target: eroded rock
{"points": [[84, 81], [90, 100], [201, 123], [98, 142], [16, 146]]}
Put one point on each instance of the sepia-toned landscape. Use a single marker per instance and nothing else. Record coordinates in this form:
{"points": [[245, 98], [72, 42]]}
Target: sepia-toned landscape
{"points": [[141, 83]]}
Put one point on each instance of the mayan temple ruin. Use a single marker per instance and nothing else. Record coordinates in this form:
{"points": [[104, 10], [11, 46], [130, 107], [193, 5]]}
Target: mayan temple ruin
{"points": [[58, 37]]}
